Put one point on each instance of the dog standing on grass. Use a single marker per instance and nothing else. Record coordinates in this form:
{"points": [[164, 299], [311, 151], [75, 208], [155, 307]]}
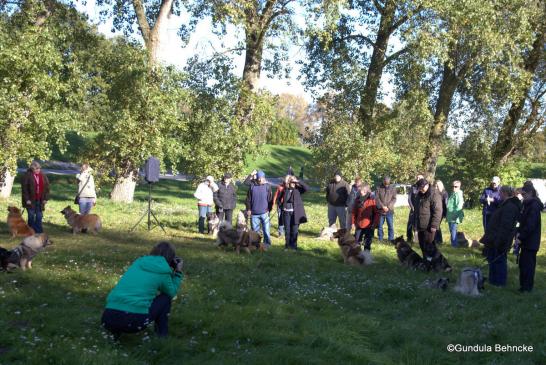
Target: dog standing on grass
{"points": [[22, 255], [82, 223]]}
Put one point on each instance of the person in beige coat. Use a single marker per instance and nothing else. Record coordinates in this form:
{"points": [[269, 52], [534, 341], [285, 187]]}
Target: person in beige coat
{"points": [[87, 196]]}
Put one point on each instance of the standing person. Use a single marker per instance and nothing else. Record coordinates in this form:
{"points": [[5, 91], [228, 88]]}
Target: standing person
{"points": [[386, 198], [412, 200], [490, 199], [365, 216], [259, 202], [144, 293], [87, 197], [439, 185], [353, 195], [205, 198], [455, 214], [337, 194], [35, 194], [293, 211], [225, 199], [428, 214], [500, 232], [529, 237], [277, 200]]}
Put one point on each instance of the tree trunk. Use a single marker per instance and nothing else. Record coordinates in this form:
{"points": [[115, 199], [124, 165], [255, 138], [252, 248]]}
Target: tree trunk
{"points": [[251, 74], [368, 96], [438, 128], [6, 185], [124, 189]]}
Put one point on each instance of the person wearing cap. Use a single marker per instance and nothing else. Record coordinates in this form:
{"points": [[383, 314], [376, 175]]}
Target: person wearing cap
{"points": [[499, 235], [337, 195], [386, 198], [205, 198], [412, 201], [490, 199], [35, 194], [529, 237], [455, 213], [259, 202], [428, 215], [225, 199]]}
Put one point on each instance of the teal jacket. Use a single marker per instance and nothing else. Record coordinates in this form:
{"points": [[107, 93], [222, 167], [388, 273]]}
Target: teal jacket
{"points": [[455, 205], [141, 283]]}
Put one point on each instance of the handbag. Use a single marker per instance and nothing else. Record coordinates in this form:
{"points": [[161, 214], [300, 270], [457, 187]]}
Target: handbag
{"points": [[77, 198]]}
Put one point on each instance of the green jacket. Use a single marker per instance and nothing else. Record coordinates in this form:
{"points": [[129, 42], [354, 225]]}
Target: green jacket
{"points": [[455, 204], [141, 283]]}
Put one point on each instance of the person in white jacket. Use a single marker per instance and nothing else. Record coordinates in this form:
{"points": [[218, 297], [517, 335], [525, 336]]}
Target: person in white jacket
{"points": [[87, 197], [204, 195]]}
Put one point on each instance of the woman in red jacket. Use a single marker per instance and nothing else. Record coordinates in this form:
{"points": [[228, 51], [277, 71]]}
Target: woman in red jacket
{"points": [[365, 217]]}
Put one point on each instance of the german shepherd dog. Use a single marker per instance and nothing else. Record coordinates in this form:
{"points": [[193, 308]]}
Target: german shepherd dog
{"points": [[351, 251], [408, 257], [471, 281], [213, 224], [22, 255], [17, 225], [82, 223], [238, 238]]}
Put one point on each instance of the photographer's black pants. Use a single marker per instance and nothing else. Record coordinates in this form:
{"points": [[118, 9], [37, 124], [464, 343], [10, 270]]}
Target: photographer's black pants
{"points": [[118, 322], [527, 265]]}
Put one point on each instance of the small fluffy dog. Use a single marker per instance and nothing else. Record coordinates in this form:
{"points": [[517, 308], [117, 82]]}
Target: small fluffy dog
{"points": [[213, 224], [22, 255], [351, 251], [17, 225], [327, 233], [471, 281], [81, 223], [440, 283], [241, 220], [408, 257]]}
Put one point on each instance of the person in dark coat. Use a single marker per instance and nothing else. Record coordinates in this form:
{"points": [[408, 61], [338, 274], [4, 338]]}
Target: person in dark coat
{"points": [[293, 212], [412, 201], [385, 198], [225, 198], [35, 194], [529, 237], [490, 199], [428, 215], [365, 216], [337, 195], [259, 202], [441, 189], [499, 235]]}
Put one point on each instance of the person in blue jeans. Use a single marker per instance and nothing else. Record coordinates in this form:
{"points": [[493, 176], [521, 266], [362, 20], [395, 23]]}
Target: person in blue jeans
{"points": [[259, 202], [385, 198], [35, 194]]}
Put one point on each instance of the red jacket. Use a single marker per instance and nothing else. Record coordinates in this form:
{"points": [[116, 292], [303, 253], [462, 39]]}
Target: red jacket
{"points": [[365, 215]]}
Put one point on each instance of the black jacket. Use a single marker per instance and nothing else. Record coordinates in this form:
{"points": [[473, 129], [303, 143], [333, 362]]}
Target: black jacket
{"points": [[385, 196], [428, 210], [226, 196], [445, 197], [501, 229], [530, 224], [337, 193], [295, 198]]}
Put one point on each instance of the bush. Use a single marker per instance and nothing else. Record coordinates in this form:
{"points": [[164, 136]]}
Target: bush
{"points": [[283, 132]]}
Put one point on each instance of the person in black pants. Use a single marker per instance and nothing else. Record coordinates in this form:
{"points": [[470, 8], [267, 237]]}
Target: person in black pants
{"points": [[529, 237], [412, 201], [293, 211], [225, 199]]}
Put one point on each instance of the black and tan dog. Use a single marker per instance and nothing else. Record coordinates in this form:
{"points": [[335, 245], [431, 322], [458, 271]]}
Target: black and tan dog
{"points": [[22, 255], [351, 251], [408, 257], [82, 223], [239, 238]]}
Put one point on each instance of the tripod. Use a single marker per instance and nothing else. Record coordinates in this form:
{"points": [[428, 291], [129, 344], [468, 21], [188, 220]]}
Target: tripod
{"points": [[150, 213]]}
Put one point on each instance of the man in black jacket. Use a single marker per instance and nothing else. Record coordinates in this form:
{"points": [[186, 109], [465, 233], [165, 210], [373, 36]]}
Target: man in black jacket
{"points": [[225, 198], [499, 235], [428, 214], [412, 200], [337, 195], [386, 198], [529, 237]]}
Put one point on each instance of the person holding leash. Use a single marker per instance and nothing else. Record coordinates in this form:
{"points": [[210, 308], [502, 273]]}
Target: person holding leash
{"points": [[87, 197]]}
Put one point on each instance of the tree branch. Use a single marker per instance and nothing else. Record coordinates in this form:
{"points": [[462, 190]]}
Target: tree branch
{"points": [[142, 21], [359, 36], [164, 12], [395, 55], [380, 8]]}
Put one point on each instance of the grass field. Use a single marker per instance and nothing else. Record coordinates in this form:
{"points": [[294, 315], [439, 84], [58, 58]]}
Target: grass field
{"points": [[274, 160], [278, 307]]}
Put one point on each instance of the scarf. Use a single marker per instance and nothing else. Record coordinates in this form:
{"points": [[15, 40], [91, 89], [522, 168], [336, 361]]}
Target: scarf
{"points": [[38, 186]]}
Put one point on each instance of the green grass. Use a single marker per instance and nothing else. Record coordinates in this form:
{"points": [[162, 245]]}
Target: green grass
{"points": [[271, 308], [274, 160]]}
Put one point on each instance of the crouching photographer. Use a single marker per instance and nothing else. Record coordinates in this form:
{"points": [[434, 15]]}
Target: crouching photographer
{"points": [[144, 293]]}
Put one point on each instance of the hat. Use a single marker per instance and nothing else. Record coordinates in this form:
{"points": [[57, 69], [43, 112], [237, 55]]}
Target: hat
{"points": [[337, 173], [210, 178], [260, 174], [227, 175], [495, 180], [422, 183]]}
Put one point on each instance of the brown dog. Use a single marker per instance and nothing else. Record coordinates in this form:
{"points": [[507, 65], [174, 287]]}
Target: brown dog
{"points": [[351, 251], [79, 223], [17, 225], [22, 255]]}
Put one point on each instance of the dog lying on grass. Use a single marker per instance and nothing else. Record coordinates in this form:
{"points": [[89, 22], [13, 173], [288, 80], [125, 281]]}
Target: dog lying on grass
{"points": [[22, 255], [17, 225], [327, 233], [351, 251], [82, 223]]}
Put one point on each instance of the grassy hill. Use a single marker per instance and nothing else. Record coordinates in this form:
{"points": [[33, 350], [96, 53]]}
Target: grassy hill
{"points": [[276, 307], [275, 160]]}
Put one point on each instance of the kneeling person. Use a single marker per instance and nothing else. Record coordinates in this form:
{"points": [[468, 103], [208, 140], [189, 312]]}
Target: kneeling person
{"points": [[134, 302]]}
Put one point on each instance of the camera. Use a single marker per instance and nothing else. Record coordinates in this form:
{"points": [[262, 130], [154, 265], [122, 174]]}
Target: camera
{"points": [[175, 262]]}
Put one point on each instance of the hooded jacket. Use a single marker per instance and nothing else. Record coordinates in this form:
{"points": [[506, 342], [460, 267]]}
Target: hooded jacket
{"points": [[455, 205], [428, 210], [501, 229], [365, 213], [140, 284], [204, 194], [530, 224]]}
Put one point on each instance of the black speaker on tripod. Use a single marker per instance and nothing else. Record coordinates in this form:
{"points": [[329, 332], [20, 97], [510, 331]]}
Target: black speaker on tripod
{"points": [[151, 175]]}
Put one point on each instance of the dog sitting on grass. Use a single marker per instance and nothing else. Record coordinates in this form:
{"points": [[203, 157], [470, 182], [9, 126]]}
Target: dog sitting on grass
{"points": [[408, 257], [471, 281], [239, 238], [351, 251], [17, 225], [22, 255], [213, 224]]}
